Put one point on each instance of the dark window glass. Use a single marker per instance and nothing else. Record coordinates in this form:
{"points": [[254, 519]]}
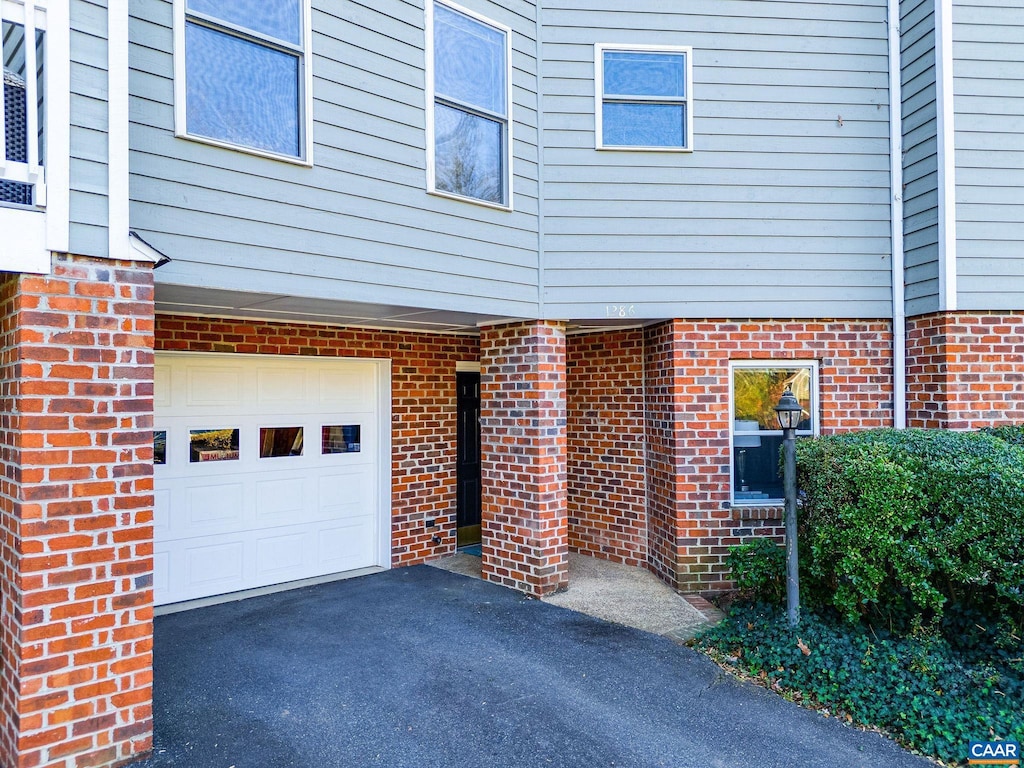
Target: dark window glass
{"points": [[470, 107], [340, 439], [160, 447], [757, 439], [468, 154], [280, 441]]}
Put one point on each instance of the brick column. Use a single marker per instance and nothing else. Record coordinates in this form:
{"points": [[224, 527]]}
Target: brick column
{"points": [[76, 372], [669, 475], [965, 370], [523, 439]]}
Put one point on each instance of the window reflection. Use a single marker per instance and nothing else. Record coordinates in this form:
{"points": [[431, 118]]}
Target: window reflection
{"points": [[340, 439], [280, 441], [213, 445], [160, 446], [241, 92]]}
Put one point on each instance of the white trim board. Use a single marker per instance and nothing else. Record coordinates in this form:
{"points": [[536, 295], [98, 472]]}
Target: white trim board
{"points": [[946, 149]]}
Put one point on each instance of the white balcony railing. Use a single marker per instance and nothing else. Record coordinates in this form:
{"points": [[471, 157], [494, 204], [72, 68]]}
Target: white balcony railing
{"points": [[23, 103]]}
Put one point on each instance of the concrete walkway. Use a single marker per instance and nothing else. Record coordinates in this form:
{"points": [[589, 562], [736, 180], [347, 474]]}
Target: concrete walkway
{"points": [[622, 594], [420, 668]]}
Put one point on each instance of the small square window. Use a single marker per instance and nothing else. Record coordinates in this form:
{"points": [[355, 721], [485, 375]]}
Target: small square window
{"points": [[468, 106], [643, 98], [756, 437], [242, 74]]}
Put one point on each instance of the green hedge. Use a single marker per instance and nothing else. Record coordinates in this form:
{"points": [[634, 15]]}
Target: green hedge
{"points": [[918, 525]]}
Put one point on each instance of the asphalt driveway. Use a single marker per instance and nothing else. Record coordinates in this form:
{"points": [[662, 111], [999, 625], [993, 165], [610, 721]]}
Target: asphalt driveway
{"points": [[423, 668]]}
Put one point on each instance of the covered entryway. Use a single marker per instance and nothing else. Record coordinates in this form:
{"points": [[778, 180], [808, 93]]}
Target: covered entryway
{"points": [[268, 470]]}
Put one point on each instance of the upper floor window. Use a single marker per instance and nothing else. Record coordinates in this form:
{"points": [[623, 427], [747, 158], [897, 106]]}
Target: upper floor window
{"points": [[468, 105], [756, 388], [22, 146], [242, 74], [643, 98]]}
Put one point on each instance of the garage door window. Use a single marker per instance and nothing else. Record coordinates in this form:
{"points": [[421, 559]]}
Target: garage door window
{"points": [[160, 447], [213, 445], [280, 441], [340, 439]]}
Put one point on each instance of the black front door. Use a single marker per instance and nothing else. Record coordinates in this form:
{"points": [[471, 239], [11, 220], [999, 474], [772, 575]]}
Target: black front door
{"points": [[468, 463]]}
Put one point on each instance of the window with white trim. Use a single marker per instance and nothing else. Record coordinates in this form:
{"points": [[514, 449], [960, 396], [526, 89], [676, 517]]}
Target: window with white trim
{"points": [[643, 97], [242, 75], [755, 437], [468, 105]]}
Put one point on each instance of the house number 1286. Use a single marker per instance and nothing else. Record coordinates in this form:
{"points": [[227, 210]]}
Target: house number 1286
{"points": [[619, 310]]}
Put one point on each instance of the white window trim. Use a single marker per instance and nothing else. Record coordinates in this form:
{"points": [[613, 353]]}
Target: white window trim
{"points": [[507, 176], [815, 423], [32, 233], [305, 94], [599, 50]]}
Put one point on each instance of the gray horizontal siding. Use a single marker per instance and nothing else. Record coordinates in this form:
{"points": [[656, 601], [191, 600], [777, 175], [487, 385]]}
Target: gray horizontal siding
{"points": [[358, 225], [988, 86], [788, 183], [920, 147], [89, 178]]}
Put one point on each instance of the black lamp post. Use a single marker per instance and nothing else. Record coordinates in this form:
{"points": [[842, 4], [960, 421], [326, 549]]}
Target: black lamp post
{"points": [[789, 412]]}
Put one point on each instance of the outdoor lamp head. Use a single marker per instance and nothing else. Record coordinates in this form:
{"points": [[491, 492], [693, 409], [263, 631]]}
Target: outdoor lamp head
{"points": [[788, 410]]}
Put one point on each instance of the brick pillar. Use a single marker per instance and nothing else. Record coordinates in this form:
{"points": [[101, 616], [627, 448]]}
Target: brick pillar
{"points": [[76, 500], [965, 370], [669, 476], [523, 443]]}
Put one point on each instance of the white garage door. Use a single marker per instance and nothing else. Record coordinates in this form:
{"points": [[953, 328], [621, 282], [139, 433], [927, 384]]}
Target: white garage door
{"points": [[268, 470]]}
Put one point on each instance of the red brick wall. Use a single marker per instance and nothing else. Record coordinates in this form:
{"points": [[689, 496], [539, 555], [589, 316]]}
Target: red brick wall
{"points": [[605, 424], [423, 407], [691, 523], [965, 370], [523, 456], [76, 514]]}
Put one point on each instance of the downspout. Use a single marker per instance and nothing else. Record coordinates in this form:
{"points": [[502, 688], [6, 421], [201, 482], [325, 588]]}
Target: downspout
{"points": [[899, 309]]}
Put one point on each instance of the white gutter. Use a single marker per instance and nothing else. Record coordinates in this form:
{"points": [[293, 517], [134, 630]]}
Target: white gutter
{"points": [[899, 311], [944, 130]]}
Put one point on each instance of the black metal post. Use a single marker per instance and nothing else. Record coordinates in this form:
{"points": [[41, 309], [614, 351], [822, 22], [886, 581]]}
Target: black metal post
{"points": [[789, 485]]}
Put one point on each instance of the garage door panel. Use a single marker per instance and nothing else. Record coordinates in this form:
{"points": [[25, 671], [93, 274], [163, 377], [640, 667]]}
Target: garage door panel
{"points": [[213, 386], [279, 387], [345, 494], [281, 499], [161, 386], [161, 512], [252, 521], [282, 556], [214, 506], [214, 565], [347, 390], [348, 546]]}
